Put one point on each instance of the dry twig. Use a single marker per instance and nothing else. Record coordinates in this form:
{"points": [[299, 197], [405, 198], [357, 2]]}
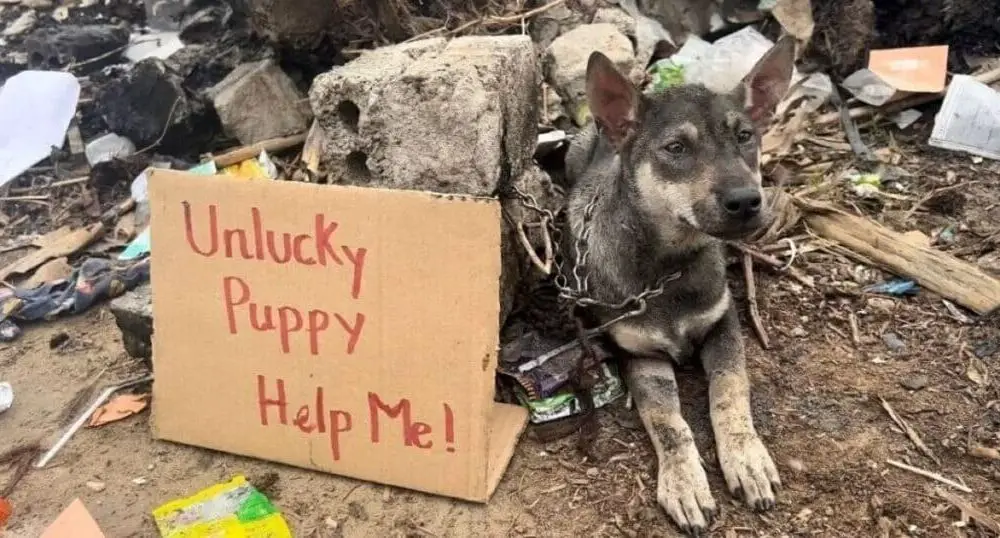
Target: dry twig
{"points": [[910, 432], [928, 474], [758, 325], [969, 511], [932, 194]]}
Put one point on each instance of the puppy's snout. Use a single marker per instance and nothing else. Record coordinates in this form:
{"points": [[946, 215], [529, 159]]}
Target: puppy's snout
{"points": [[741, 203]]}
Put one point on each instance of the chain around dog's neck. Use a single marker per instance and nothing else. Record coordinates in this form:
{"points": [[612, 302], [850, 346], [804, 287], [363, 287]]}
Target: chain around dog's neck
{"points": [[579, 293]]}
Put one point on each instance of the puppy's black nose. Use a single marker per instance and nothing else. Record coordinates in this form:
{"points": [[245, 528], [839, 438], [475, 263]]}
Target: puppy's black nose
{"points": [[743, 202]]}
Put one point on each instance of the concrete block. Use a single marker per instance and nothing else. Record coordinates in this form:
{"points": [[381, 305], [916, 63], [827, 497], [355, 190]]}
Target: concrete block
{"points": [[453, 116], [258, 101]]}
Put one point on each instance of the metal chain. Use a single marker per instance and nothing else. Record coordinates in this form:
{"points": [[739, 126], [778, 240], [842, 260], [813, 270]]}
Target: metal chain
{"points": [[579, 293]]}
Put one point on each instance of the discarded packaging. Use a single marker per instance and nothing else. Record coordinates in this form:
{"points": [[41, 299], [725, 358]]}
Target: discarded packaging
{"points": [[898, 287], [36, 108], [121, 406], [108, 147], [160, 45], [865, 185], [564, 403], [6, 396], [260, 168], [722, 66], [74, 522], [235, 508], [969, 119]]}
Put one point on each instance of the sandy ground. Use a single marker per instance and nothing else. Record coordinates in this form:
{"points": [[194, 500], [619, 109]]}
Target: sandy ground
{"points": [[817, 404]]}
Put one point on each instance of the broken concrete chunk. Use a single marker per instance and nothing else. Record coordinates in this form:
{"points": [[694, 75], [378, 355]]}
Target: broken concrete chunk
{"points": [[133, 313], [146, 104], [58, 46], [22, 24], [258, 101], [450, 117], [618, 17], [567, 56]]}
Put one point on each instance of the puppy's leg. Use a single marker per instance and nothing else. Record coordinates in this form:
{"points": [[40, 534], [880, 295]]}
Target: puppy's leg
{"points": [[682, 487], [745, 461]]}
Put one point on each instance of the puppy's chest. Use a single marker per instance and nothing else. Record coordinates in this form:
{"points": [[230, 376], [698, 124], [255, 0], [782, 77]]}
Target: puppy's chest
{"points": [[671, 328]]}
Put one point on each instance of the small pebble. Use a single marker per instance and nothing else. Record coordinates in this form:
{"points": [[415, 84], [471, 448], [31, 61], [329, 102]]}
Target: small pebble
{"points": [[915, 382], [96, 486], [139, 481], [799, 332], [796, 465], [331, 523], [593, 472], [893, 341]]}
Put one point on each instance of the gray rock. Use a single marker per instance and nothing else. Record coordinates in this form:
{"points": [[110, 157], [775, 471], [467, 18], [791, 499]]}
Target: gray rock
{"points": [[566, 60], [258, 101], [618, 17], [915, 382], [133, 313]]}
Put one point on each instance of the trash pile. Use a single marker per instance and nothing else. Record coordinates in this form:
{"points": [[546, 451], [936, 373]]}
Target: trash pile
{"points": [[94, 96]]}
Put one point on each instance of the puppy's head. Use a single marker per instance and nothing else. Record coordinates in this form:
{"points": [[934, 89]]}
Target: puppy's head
{"points": [[692, 155]]}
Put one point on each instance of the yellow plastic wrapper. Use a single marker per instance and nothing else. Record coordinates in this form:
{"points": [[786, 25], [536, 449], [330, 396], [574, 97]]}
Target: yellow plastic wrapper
{"points": [[231, 510], [259, 168]]}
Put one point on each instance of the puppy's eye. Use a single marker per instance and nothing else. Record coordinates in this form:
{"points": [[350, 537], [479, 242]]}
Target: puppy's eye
{"points": [[675, 148], [744, 136]]}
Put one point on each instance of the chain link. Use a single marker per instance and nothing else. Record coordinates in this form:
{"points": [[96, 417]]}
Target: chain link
{"points": [[579, 293]]}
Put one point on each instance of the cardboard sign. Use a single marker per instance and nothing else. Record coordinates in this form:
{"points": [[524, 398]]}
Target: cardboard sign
{"points": [[342, 329], [912, 69]]}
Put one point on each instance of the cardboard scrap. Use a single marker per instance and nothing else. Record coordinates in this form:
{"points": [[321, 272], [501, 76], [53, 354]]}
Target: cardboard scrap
{"points": [[74, 522], [343, 329], [63, 245], [121, 406]]}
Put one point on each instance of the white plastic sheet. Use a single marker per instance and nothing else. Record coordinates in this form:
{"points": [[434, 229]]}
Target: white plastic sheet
{"points": [[36, 108]]}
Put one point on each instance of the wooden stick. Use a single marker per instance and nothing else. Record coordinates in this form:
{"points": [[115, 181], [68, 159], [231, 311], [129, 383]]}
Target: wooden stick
{"points": [[852, 320], [928, 474], [273, 145], [758, 325], [954, 279], [910, 432], [775, 263], [968, 510]]}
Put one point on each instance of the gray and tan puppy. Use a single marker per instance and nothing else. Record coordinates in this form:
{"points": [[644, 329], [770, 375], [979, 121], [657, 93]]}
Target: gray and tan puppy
{"points": [[660, 181]]}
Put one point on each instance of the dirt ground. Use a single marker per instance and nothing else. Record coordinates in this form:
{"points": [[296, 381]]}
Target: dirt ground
{"points": [[816, 396]]}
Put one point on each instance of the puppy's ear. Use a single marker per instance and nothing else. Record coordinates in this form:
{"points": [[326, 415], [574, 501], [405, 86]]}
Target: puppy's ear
{"points": [[766, 84], [613, 99]]}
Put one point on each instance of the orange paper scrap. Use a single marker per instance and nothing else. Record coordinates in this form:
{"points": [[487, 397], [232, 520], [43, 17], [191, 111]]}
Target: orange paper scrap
{"points": [[913, 69], [122, 406], [74, 522]]}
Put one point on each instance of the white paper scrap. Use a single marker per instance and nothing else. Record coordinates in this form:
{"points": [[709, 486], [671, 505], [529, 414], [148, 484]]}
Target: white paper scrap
{"points": [[36, 108], [969, 119]]}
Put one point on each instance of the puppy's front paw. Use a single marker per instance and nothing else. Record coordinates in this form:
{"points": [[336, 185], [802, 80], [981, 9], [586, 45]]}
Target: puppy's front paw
{"points": [[749, 471], [684, 493]]}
